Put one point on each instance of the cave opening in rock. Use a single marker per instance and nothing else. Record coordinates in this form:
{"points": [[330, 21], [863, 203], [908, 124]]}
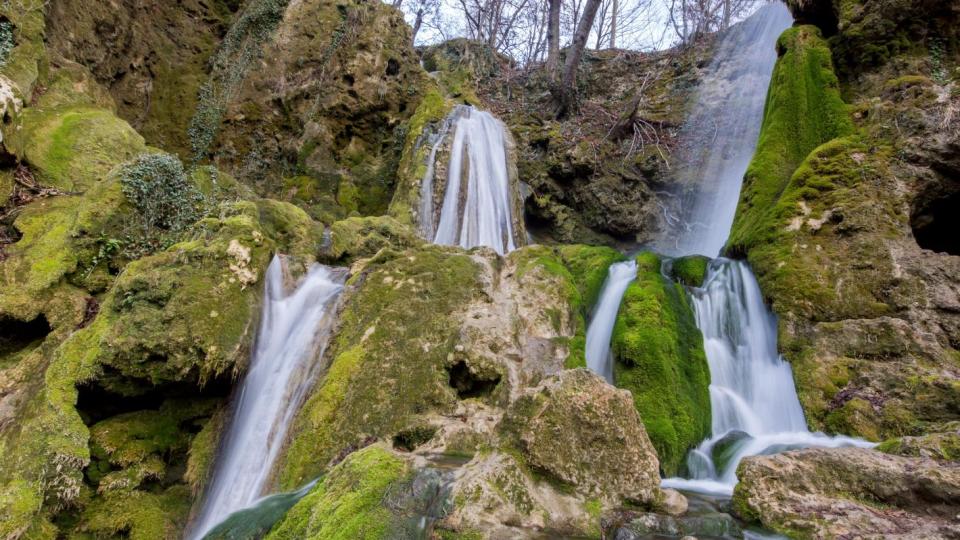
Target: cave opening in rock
{"points": [[16, 336], [469, 384], [935, 221], [114, 393]]}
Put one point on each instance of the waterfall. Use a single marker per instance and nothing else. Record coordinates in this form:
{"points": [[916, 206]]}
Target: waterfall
{"points": [[754, 401], [478, 202], [599, 356], [752, 394], [718, 140], [294, 330]]}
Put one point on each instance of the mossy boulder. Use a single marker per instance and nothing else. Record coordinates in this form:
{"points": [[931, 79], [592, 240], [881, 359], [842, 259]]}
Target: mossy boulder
{"points": [[689, 271], [942, 445], [362, 497], [431, 333], [188, 313], [857, 492], [803, 110], [359, 237], [842, 250], [659, 357], [582, 433]]}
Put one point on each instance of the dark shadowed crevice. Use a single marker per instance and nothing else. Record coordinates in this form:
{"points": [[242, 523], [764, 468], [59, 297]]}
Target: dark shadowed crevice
{"points": [[469, 384], [935, 221], [16, 336]]}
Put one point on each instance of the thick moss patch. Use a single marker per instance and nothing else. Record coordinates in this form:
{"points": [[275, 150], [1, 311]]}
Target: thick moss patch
{"points": [[351, 502], [803, 111], [660, 359]]}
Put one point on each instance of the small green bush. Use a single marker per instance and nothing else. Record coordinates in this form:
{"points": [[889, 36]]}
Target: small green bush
{"points": [[7, 42], [166, 201]]}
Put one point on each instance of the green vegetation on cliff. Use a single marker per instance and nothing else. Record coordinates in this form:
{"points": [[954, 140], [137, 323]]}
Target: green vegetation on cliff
{"points": [[803, 111], [659, 357]]}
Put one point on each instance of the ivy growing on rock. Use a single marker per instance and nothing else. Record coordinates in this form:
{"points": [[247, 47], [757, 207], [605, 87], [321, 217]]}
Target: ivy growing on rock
{"points": [[165, 199], [240, 47], [7, 42]]}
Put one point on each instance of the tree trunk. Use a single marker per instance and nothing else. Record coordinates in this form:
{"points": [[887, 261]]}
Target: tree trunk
{"points": [[726, 15], [553, 37], [416, 25], [568, 82], [613, 24]]}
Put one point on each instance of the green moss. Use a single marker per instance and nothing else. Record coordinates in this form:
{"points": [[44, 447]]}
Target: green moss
{"points": [[660, 359], [350, 502], [690, 271], [73, 148], [389, 356], [358, 237], [138, 515], [803, 110]]}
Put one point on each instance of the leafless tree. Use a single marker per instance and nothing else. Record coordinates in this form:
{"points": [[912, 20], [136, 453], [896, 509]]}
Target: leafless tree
{"points": [[553, 36], [566, 92], [691, 19]]}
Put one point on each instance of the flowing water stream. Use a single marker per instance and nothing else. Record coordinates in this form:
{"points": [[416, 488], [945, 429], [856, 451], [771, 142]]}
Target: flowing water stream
{"points": [[599, 355], [479, 200], [294, 330], [755, 408]]}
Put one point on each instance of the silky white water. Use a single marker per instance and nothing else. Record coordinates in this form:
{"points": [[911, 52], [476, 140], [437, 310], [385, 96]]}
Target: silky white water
{"points": [[599, 355], [294, 330], [718, 140], [754, 403], [478, 201]]}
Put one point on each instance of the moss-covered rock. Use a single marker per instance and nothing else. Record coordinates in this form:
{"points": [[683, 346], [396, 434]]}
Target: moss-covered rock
{"points": [[659, 357], [341, 88], [689, 271], [833, 234], [803, 111], [359, 237], [153, 59], [944, 445], [580, 432], [353, 500]]}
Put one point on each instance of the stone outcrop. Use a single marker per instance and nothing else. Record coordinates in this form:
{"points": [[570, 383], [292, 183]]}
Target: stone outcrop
{"points": [[850, 493]]}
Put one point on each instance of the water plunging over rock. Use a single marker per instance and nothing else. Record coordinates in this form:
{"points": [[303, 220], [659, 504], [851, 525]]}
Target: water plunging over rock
{"points": [[717, 141], [294, 329], [752, 395], [599, 356], [480, 198]]}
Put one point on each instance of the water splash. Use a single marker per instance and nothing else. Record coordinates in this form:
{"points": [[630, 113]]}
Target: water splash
{"points": [[478, 202], [752, 394], [718, 140], [599, 355], [294, 330]]}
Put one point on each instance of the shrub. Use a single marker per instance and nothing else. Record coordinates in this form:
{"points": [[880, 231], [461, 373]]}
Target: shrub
{"points": [[7, 42], [166, 201]]}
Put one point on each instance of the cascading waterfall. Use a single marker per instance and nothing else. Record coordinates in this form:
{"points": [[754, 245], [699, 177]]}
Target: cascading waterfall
{"points": [[752, 395], [478, 202], [294, 330], [754, 402], [718, 140], [599, 355]]}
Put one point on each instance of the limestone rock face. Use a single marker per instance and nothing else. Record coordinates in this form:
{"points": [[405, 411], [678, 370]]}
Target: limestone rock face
{"points": [[586, 433], [333, 83], [850, 493]]}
